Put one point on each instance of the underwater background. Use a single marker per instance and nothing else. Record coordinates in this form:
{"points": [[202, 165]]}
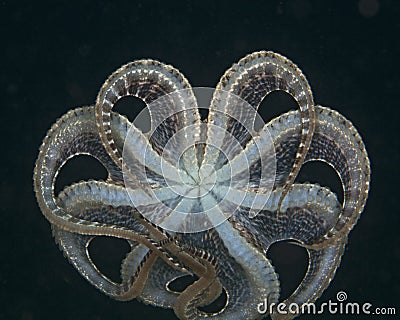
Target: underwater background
{"points": [[55, 56]]}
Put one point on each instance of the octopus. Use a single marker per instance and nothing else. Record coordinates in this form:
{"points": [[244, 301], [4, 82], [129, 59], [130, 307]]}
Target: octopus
{"points": [[205, 198]]}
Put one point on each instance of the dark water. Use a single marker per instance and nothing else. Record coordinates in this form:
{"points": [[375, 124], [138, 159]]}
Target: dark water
{"points": [[54, 58]]}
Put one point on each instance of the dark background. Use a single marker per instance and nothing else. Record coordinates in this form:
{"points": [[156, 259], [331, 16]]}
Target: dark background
{"points": [[55, 57]]}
